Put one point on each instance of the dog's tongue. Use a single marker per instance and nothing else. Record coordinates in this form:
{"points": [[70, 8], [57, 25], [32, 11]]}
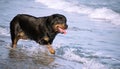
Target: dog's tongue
{"points": [[62, 30]]}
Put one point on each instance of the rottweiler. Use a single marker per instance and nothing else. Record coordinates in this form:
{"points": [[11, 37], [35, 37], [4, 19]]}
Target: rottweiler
{"points": [[43, 30]]}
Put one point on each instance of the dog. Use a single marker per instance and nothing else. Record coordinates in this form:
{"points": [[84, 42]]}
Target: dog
{"points": [[43, 30]]}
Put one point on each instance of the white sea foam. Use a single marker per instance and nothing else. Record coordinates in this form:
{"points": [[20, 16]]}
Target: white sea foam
{"points": [[98, 13], [4, 31], [87, 63], [106, 14], [92, 64], [69, 55], [32, 49], [65, 6]]}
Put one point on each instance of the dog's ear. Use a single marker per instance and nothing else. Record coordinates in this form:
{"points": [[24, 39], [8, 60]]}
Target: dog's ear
{"points": [[49, 19], [52, 18]]}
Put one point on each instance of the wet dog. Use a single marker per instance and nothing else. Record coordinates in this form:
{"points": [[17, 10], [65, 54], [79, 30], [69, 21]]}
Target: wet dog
{"points": [[40, 29]]}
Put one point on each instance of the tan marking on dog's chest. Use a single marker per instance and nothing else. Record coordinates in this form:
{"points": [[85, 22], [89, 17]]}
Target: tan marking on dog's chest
{"points": [[46, 38]]}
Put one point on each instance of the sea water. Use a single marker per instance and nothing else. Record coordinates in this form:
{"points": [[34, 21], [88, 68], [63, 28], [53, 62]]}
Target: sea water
{"points": [[92, 39]]}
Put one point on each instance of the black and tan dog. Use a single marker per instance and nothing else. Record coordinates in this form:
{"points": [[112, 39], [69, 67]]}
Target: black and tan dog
{"points": [[40, 29]]}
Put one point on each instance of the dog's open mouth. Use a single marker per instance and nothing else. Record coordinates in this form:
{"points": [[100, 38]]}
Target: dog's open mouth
{"points": [[63, 31]]}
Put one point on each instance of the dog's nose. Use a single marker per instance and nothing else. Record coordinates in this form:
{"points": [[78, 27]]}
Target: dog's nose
{"points": [[66, 26]]}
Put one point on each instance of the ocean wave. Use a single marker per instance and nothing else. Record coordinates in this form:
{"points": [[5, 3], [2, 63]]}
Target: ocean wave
{"points": [[4, 31], [87, 63], [102, 13], [65, 6], [105, 14]]}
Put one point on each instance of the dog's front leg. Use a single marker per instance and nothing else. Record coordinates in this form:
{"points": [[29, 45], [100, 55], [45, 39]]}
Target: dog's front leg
{"points": [[46, 42], [51, 50]]}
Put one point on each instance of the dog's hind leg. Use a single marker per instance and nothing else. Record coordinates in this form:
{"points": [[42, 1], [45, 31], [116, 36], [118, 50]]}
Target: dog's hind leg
{"points": [[14, 42], [14, 38], [14, 29]]}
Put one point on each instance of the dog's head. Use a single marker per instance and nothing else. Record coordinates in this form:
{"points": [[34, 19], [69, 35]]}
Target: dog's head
{"points": [[58, 23]]}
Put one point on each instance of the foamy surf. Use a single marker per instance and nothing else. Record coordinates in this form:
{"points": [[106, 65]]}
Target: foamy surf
{"points": [[4, 31], [87, 63], [39, 55], [29, 50], [104, 14], [66, 6]]}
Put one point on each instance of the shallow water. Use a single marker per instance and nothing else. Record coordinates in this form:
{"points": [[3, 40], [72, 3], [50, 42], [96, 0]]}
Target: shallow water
{"points": [[91, 42]]}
